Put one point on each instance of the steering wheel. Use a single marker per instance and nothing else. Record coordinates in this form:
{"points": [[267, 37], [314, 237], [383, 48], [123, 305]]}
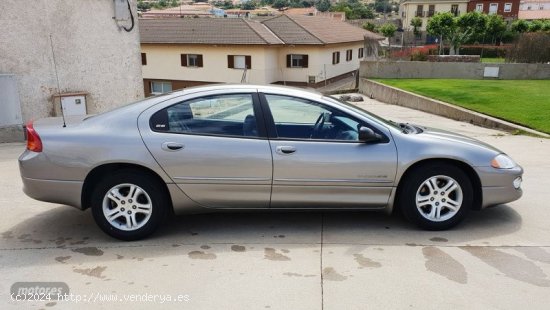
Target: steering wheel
{"points": [[318, 126]]}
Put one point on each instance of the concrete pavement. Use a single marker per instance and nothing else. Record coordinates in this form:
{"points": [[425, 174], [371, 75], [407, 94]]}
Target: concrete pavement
{"points": [[498, 258]]}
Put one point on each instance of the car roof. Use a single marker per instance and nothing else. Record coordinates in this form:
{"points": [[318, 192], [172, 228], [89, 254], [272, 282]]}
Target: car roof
{"points": [[263, 88]]}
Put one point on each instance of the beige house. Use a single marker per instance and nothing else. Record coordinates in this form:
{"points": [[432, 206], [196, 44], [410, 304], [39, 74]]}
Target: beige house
{"points": [[425, 9], [292, 50], [534, 9]]}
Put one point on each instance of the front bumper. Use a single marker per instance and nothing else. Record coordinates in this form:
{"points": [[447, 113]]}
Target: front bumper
{"points": [[498, 185]]}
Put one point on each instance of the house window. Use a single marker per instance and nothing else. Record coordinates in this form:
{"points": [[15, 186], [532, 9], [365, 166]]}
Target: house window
{"points": [[239, 62], [419, 11], [349, 55], [191, 60], [431, 10], [296, 61], [335, 58], [454, 9], [493, 8], [507, 7], [160, 87], [479, 7], [143, 59], [361, 53]]}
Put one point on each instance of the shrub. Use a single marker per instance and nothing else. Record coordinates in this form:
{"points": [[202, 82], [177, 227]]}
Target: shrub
{"points": [[530, 48]]}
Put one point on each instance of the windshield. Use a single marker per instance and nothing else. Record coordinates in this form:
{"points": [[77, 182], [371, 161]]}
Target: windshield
{"points": [[361, 111]]}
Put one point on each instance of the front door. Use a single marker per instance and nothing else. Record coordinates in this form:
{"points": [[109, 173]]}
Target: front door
{"points": [[318, 161], [214, 150]]}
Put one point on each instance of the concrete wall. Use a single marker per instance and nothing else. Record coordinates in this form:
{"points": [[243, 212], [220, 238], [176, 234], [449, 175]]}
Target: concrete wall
{"points": [[428, 70], [92, 53], [9, 101]]}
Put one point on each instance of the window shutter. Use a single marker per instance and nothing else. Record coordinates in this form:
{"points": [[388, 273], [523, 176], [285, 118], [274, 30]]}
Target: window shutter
{"points": [[305, 61], [184, 60], [288, 60], [248, 62], [143, 59], [199, 60], [230, 62], [337, 57], [333, 58]]}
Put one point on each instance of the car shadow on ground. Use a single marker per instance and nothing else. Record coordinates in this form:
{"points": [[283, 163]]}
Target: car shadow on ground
{"points": [[63, 227]]}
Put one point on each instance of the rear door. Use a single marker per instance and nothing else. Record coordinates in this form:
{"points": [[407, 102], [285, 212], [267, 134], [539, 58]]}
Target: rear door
{"points": [[214, 148], [318, 161]]}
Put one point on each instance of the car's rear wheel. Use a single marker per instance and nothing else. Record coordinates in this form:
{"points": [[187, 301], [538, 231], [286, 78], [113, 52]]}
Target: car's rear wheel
{"points": [[129, 205], [436, 196]]}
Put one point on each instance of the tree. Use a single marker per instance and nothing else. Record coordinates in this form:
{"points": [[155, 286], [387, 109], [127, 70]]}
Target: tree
{"points": [[496, 26], [295, 4], [370, 27], [362, 11], [323, 5], [382, 6], [416, 23], [536, 25], [143, 6], [388, 30], [278, 4], [442, 26], [249, 5], [467, 26], [520, 26], [353, 9]]}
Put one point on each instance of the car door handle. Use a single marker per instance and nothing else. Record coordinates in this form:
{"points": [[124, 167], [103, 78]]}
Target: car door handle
{"points": [[172, 146], [285, 150]]}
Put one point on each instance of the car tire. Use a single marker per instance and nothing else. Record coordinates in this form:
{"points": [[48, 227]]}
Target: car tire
{"points": [[129, 205], [436, 196]]}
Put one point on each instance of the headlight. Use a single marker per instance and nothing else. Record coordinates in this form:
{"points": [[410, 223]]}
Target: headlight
{"points": [[502, 162]]}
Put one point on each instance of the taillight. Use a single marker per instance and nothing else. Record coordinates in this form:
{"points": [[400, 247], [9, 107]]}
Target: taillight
{"points": [[33, 139]]}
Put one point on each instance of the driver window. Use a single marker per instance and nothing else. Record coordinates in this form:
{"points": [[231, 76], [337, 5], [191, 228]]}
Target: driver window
{"points": [[297, 118]]}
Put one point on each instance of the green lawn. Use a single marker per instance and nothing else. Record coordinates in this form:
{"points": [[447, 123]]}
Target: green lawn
{"points": [[492, 60], [525, 102]]}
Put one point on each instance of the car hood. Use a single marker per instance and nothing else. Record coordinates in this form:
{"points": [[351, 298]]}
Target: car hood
{"points": [[434, 133]]}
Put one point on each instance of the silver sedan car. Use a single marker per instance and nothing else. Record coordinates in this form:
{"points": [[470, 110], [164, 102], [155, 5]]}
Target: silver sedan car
{"points": [[245, 147]]}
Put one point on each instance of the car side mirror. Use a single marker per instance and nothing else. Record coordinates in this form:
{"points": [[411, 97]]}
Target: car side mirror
{"points": [[368, 135]]}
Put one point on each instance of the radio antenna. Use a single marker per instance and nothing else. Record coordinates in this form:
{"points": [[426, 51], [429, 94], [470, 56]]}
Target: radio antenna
{"points": [[57, 78]]}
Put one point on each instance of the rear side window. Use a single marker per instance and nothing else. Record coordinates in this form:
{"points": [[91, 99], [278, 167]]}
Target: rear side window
{"points": [[226, 115]]}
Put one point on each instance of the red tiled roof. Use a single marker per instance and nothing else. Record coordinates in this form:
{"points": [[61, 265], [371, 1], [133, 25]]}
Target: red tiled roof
{"points": [[204, 31], [283, 29]]}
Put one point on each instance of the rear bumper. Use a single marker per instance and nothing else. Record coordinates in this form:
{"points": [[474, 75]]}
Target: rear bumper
{"points": [[54, 191]]}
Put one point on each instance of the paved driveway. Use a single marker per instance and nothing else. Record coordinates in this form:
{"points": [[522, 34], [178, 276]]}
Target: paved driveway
{"points": [[498, 258]]}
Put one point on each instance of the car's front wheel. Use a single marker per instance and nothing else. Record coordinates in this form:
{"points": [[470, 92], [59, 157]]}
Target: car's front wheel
{"points": [[436, 196], [129, 205]]}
